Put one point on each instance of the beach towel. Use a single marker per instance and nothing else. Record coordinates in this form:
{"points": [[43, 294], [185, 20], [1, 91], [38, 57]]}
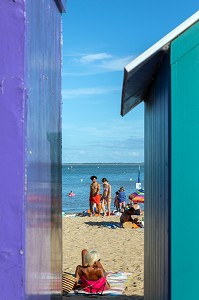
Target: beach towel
{"points": [[117, 281], [112, 226]]}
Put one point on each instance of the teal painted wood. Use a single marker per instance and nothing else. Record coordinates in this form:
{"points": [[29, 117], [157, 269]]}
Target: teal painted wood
{"points": [[184, 47], [185, 165]]}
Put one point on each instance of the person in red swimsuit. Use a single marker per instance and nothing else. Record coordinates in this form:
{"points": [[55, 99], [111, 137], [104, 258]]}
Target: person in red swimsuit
{"points": [[94, 195]]}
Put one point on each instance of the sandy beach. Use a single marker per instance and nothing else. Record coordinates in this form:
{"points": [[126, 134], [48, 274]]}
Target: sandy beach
{"points": [[120, 250]]}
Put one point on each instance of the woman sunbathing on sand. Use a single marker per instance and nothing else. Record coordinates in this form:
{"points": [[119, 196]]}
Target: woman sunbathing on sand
{"points": [[91, 270]]}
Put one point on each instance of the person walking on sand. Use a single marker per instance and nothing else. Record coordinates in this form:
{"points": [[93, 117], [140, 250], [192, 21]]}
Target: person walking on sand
{"points": [[94, 195], [106, 196]]}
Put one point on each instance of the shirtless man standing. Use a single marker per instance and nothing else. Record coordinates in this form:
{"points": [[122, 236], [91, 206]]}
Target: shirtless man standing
{"points": [[94, 195]]}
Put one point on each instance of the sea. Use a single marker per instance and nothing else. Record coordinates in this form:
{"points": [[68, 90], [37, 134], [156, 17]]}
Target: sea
{"points": [[76, 178]]}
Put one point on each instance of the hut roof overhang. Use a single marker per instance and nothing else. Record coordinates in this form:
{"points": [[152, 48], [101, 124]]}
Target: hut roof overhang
{"points": [[61, 4], [139, 73]]}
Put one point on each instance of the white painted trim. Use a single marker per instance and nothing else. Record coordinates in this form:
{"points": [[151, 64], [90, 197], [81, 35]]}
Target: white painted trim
{"points": [[164, 43]]}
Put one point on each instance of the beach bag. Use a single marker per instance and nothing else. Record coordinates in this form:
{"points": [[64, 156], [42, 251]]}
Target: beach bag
{"points": [[68, 282], [93, 287], [135, 225]]}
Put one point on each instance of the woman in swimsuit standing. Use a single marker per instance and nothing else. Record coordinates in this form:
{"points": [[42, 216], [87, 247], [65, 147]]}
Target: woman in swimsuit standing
{"points": [[106, 196]]}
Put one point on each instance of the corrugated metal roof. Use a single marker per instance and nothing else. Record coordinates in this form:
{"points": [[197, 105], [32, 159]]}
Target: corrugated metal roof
{"points": [[139, 73]]}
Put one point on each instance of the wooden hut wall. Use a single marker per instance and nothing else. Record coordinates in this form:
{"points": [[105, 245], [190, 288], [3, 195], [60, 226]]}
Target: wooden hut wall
{"points": [[185, 164], [43, 206], [157, 186], [12, 95]]}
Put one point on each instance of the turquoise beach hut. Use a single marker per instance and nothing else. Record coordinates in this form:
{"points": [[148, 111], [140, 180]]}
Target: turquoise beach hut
{"points": [[166, 78], [30, 149]]}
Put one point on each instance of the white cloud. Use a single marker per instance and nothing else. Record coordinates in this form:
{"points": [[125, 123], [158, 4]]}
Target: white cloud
{"points": [[116, 64], [74, 93], [120, 140], [95, 63], [79, 74], [120, 134], [76, 154], [89, 58], [82, 152]]}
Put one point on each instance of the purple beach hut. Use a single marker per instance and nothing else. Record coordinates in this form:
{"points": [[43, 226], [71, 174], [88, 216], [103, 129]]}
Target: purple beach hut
{"points": [[30, 149]]}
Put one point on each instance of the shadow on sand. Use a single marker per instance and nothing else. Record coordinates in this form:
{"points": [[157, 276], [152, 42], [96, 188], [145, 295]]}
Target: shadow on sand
{"points": [[104, 224]]}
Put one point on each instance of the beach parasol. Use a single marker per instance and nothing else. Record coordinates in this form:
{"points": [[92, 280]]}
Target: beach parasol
{"points": [[138, 199]]}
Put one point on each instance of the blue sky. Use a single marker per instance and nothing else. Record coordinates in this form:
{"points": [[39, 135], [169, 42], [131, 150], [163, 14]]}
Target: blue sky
{"points": [[99, 38]]}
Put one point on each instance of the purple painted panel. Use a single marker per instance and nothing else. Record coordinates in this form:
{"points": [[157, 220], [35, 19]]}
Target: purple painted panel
{"points": [[12, 101], [30, 150], [43, 150]]}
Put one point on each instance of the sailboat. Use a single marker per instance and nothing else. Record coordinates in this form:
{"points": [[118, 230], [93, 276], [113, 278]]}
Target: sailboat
{"points": [[138, 184]]}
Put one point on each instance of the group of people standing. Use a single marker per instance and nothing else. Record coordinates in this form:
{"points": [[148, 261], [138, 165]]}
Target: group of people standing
{"points": [[104, 200], [101, 200]]}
